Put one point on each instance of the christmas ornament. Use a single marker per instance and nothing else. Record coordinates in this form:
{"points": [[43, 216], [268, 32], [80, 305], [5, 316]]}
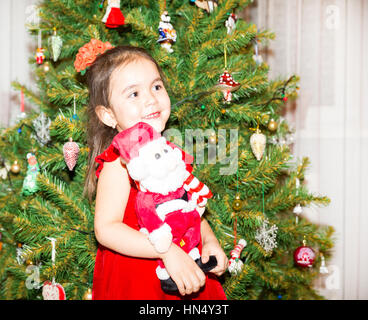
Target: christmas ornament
{"points": [[304, 256], [55, 44], [1, 244], [42, 128], [30, 181], [52, 290], [209, 6], [75, 116], [266, 236], [323, 269], [22, 251], [40, 56], [33, 18], [15, 167], [4, 170], [258, 143], [88, 294], [237, 205], [227, 85], [113, 17], [101, 4], [235, 264], [212, 139], [46, 67], [257, 57], [71, 153], [272, 125], [230, 23], [167, 33]]}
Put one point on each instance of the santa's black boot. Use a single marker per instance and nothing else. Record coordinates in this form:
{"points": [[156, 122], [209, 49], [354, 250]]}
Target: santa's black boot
{"points": [[209, 265], [169, 286]]}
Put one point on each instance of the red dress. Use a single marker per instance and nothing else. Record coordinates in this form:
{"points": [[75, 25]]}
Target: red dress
{"points": [[120, 277]]}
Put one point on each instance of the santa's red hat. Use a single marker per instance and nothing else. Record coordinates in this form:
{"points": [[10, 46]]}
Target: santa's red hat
{"points": [[129, 141]]}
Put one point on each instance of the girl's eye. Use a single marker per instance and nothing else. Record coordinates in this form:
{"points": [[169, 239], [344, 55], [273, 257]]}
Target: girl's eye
{"points": [[133, 95], [157, 87]]}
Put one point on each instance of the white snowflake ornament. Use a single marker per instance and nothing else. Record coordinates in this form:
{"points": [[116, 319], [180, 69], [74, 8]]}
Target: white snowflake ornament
{"points": [[42, 127], [266, 237]]}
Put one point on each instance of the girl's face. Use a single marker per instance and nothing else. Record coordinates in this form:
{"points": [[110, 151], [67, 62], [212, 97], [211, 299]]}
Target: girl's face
{"points": [[138, 95]]}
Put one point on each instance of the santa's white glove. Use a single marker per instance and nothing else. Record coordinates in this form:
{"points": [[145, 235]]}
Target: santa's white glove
{"points": [[161, 238]]}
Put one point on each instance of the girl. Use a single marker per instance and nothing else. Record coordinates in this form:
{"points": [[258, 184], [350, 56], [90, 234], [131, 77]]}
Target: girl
{"points": [[126, 87]]}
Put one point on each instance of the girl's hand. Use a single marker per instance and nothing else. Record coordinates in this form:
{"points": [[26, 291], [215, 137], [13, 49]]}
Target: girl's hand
{"points": [[212, 247], [183, 270]]}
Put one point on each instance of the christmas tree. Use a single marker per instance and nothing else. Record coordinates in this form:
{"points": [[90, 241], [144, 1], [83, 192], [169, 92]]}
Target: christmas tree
{"points": [[221, 99]]}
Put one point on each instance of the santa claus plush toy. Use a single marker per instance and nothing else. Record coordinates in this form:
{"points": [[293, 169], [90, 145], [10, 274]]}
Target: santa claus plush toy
{"points": [[170, 200]]}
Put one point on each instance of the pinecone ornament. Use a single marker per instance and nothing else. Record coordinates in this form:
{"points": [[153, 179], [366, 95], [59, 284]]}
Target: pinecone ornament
{"points": [[71, 153]]}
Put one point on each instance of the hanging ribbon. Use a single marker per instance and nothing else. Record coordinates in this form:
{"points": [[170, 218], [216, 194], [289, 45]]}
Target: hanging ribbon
{"points": [[53, 253], [39, 39], [225, 56], [236, 220], [263, 201], [21, 100]]}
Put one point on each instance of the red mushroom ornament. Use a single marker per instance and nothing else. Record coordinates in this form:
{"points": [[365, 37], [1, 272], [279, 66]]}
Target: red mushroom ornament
{"points": [[227, 84]]}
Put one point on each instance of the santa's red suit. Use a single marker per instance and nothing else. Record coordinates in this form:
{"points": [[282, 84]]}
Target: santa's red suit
{"points": [[161, 214]]}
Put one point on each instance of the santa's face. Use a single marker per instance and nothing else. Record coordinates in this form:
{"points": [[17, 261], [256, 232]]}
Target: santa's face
{"points": [[160, 167], [138, 95]]}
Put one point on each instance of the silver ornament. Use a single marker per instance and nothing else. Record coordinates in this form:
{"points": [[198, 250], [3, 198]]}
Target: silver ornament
{"points": [[258, 144], [55, 44]]}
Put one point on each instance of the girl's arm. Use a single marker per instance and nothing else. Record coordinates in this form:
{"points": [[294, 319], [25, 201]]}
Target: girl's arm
{"points": [[211, 246], [113, 190]]}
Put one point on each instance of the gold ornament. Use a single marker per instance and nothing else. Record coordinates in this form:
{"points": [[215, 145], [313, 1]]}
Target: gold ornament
{"points": [[237, 204], [212, 138], [29, 262], [258, 144], [46, 67], [272, 125], [15, 168], [88, 294]]}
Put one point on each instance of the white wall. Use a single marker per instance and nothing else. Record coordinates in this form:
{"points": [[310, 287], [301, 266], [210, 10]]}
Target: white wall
{"points": [[17, 46], [325, 43]]}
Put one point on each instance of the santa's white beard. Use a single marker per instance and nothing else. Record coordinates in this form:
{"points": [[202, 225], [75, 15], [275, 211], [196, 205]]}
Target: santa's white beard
{"points": [[171, 182]]}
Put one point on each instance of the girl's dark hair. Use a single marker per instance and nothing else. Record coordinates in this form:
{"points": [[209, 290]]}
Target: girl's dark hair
{"points": [[99, 135]]}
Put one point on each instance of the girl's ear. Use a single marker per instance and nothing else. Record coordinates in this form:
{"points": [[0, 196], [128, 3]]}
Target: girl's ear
{"points": [[106, 116]]}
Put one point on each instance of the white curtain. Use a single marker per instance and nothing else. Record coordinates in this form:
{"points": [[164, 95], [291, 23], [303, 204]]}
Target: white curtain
{"points": [[325, 42], [16, 48]]}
